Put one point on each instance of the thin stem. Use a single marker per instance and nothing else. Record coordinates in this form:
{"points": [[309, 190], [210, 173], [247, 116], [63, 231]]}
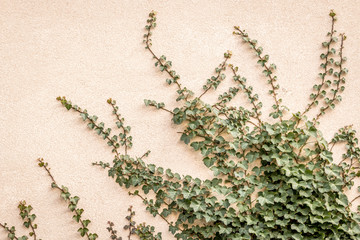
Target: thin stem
{"points": [[107, 137], [33, 230], [216, 78], [98, 164], [353, 200], [144, 199], [338, 81], [144, 155], [122, 126], [224, 113], [8, 230], [332, 146], [167, 110], [55, 185], [349, 181], [247, 90], [85, 116], [167, 221], [301, 148], [112, 231], [131, 227], [325, 69], [271, 78], [147, 42]]}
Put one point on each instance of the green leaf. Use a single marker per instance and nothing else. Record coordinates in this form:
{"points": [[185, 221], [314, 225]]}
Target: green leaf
{"points": [[209, 161], [83, 231], [83, 116], [185, 138], [197, 206], [252, 156], [86, 222]]}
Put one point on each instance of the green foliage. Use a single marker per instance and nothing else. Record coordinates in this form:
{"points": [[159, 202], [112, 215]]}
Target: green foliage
{"points": [[271, 180], [72, 204], [28, 221], [142, 230]]}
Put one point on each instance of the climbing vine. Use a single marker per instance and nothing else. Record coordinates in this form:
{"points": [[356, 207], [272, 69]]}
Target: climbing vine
{"points": [[271, 180]]}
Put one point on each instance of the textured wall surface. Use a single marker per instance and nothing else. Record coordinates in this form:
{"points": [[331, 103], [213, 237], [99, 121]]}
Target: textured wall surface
{"points": [[92, 50]]}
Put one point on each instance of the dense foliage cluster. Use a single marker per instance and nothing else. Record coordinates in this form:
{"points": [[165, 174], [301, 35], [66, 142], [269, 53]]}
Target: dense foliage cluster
{"points": [[271, 180]]}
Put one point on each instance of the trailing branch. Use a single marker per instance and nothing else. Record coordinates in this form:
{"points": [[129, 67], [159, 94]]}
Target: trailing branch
{"points": [[268, 71], [214, 81], [327, 62], [73, 201]]}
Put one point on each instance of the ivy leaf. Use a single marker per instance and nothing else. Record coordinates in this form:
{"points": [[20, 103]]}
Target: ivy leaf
{"points": [[197, 206], [185, 138]]}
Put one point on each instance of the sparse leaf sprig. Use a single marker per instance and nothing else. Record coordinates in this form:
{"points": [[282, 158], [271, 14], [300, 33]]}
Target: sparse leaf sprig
{"points": [[147, 232], [163, 63], [11, 232], [157, 105], [28, 221], [226, 97], [268, 71], [215, 81], [28, 218], [112, 231], [73, 204], [248, 90], [124, 138], [337, 84], [350, 162], [131, 223], [114, 141], [327, 57]]}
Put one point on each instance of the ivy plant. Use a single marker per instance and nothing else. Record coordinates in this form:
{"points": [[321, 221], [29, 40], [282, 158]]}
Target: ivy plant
{"points": [[270, 180]]}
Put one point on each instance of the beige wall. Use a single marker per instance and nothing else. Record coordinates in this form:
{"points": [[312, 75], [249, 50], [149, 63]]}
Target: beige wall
{"points": [[92, 50]]}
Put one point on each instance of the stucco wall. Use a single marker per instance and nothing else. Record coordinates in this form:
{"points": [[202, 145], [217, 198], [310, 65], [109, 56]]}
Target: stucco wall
{"points": [[92, 50]]}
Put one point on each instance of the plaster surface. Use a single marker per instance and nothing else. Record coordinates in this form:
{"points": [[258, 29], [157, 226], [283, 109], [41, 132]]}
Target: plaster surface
{"points": [[92, 50]]}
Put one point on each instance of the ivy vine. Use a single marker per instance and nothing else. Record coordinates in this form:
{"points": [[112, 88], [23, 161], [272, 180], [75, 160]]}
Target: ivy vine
{"points": [[271, 180]]}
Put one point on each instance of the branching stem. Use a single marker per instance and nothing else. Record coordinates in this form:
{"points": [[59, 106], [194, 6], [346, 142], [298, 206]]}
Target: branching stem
{"points": [[271, 78], [222, 66], [55, 185], [338, 83], [325, 68], [248, 92], [8, 230]]}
